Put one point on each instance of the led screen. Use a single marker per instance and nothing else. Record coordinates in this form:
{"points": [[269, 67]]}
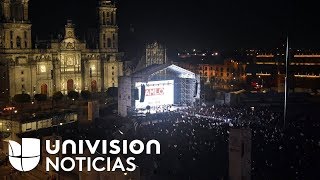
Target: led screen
{"points": [[157, 93]]}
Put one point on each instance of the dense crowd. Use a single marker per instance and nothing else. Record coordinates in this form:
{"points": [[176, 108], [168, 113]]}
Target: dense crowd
{"points": [[194, 144]]}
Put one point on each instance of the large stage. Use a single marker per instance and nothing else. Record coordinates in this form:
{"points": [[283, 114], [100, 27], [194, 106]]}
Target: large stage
{"points": [[157, 88]]}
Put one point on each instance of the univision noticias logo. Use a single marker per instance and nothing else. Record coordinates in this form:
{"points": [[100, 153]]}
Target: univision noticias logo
{"points": [[26, 156]]}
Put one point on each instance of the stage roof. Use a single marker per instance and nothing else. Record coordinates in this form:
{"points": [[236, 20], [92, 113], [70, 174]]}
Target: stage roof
{"points": [[154, 69]]}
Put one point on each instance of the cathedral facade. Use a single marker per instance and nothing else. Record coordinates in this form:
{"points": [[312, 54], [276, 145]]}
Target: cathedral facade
{"points": [[64, 65]]}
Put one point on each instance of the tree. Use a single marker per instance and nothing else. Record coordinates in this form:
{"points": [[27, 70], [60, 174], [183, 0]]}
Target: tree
{"points": [[73, 95], [22, 98], [57, 96], [40, 97], [86, 94]]}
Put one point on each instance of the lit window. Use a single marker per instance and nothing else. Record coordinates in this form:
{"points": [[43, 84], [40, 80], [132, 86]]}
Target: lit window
{"points": [[43, 69], [93, 67]]}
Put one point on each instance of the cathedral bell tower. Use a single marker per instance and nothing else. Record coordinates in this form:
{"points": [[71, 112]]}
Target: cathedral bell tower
{"points": [[15, 28], [108, 30]]}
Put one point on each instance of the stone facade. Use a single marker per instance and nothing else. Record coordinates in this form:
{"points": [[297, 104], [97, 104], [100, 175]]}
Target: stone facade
{"points": [[65, 64], [155, 54]]}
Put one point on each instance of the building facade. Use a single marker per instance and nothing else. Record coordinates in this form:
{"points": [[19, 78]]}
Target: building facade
{"points": [[220, 73], [269, 70], [155, 54], [64, 65]]}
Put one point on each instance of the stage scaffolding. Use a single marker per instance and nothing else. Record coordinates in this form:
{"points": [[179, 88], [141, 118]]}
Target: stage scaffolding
{"points": [[188, 91]]}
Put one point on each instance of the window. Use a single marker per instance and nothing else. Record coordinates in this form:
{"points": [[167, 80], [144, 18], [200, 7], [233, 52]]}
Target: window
{"points": [[103, 18], [112, 67], [18, 40], [25, 44], [11, 34], [22, 86], [25, 35], [113, 36], [22, 72], [104, 37], [11, 44], [22, 79], [205, 68], [112, 79], [112, 18], [109, 42], [112, 73], [113, 86]]}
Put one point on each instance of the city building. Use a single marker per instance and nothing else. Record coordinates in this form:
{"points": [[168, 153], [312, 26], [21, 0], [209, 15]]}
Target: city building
{"points": [[155, 53], [61, 65], [268, 70], [220, 72]]}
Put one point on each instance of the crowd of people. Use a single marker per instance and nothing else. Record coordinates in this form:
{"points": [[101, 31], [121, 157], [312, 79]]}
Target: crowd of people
{"points": [[194, 143]]}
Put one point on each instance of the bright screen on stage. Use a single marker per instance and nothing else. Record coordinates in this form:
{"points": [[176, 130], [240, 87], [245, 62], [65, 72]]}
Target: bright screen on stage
{"points": [[157, 93]]}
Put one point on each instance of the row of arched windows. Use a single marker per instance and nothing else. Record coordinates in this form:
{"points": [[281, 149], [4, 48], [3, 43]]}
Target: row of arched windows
{"points": [[106, 19], [18, 40], [107, 42]]}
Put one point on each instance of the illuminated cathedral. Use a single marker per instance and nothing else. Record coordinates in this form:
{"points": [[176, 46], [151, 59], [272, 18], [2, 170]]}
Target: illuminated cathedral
{"points": [[63, 65]]}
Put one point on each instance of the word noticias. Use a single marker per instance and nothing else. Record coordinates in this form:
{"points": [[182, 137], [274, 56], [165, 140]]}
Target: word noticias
{"points": [[69, 155]]}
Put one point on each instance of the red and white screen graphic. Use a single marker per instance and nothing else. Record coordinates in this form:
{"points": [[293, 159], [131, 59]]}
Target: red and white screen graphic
{"points": [[157, 93]]}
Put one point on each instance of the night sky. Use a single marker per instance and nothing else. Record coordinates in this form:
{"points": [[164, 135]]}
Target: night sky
{"points": [[186, 24]]}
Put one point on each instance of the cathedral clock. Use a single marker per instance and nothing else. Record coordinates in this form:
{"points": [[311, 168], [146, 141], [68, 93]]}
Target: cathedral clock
{"points": [[69, 34]]}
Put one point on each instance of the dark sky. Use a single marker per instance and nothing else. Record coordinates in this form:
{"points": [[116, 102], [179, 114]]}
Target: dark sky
{"points": [[186, 24]]}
